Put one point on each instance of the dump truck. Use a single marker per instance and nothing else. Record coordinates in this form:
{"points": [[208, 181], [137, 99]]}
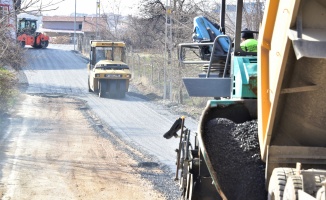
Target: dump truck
{"points": [[27, 34], [263, 135], [108, 73]]}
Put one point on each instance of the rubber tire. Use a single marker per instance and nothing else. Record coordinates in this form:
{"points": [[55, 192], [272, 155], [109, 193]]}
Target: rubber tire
{"points": [[321, 194], [277, 183], [122, 89], [102, 88], [22, 44], [44, 44], [37, 46], [121, 94], [293, 184], [89, 86], [113, 91]]}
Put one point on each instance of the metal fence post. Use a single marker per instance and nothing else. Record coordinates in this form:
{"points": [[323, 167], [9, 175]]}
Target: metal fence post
{"points": [[133, 64], [152, 73], [170, 92], [139, 66]]}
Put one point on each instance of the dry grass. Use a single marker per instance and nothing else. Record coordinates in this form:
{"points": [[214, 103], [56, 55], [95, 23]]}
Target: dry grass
{"points": [[8, 91]]}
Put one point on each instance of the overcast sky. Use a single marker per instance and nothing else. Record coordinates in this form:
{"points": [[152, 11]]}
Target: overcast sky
{"points": [[67, 7]]}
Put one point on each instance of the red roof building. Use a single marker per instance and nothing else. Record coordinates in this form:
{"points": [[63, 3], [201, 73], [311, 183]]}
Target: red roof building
{"points": [[64, 25]]}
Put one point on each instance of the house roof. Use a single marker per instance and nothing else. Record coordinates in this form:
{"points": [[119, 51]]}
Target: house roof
{"points": [[62, 19], [88, 23], [59, 31]]}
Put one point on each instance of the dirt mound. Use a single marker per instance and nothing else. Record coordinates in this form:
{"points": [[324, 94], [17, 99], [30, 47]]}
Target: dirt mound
{"points": [[60, 40]]}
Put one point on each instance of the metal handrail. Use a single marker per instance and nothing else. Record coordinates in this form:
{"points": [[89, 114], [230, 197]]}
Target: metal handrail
{"points": [[213, 51], [182, 46]]}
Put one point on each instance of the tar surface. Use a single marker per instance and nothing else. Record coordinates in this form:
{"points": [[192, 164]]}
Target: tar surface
{"points": [[235, 156]]}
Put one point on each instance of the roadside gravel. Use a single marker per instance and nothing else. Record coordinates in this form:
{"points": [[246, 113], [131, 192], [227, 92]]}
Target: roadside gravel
{"points": [[54, 147]]}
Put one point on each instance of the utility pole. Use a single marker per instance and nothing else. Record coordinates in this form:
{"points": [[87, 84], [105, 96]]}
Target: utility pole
{"points": [[168, 48], [16, 7], [98, 14], [75, 28]]}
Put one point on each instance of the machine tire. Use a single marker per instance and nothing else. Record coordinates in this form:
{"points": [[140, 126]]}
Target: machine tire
{"points": [[122, 89], [37, 46], [113, 91], [192, 173], [321, 194], [293, 184], [89, 86], [44, 44], [22, 44], [121, 94], [102, 88], [277, 183]]}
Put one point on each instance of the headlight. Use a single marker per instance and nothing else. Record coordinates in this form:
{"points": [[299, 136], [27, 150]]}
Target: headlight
{"points": [[113, 75], [97, 75], [128, 75]]}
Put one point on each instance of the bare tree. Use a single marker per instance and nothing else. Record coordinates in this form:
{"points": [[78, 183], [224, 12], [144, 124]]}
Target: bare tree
{"points": [[253, 14], [183, 13], [115, 18], [148, 29], [35, 6], [11, 53]]}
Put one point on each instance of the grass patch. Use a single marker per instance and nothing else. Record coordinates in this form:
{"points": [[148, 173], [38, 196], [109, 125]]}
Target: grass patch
{"points": [[8, 90]]}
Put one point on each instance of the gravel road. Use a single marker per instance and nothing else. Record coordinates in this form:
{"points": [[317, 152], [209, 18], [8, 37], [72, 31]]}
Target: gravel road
{"points": [[58, 72], [50, 149]]}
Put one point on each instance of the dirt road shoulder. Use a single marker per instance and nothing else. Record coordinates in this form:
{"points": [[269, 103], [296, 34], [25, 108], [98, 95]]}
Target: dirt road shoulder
{"points": [[54, 147]]}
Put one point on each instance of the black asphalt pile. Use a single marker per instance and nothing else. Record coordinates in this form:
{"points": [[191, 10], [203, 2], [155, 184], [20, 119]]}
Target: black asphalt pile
{"points": [[235, 155]]}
